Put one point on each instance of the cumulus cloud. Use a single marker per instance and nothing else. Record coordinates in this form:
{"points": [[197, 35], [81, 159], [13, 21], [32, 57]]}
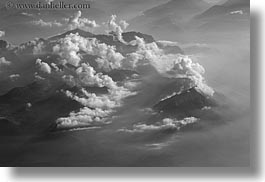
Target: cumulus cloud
{"points": [[117, 28], [2, 33], [109, 58], [97, 108], [171, 65], [38, 48], [124, 24], [44, 67], [88, 77], [43, 23], [14, 77], [105, 101], [84, 117], [69, 49], [166, 124], [82, 23], [4, 62], [185, 68]]}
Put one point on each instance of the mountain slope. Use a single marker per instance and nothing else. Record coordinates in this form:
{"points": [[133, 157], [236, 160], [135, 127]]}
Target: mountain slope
{"points": [[228, 17], [168, 16], [226, 8], [188, 100]]}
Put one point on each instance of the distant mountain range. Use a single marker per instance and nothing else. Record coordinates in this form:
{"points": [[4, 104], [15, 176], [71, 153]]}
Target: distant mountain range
{"points": [[228, 17], [190, 15], [230, 6]]}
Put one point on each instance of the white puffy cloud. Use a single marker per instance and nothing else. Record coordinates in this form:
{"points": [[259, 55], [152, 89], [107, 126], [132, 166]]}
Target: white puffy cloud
{"points": [[69, 49], [124, 24], [44, 67], [82, 23], [109, 58], [38, 48], [84, 117], [53, 65], [171, 65], [2, 33], [166, 124], [105, 101], [184, 67], [43, 23], [88, 77], [14, 77], [4, 62], [117, 28], [97, 108]]}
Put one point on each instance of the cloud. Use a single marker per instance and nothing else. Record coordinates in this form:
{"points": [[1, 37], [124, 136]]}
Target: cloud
{"points": [[84, 117], [109, 58], [82, 23], [27, 14], [4, 62], [88, 77], [165, 43], [97, 108], [170, 65], [240, 12], [70, 64], [166, 124], [117, 28], [38, 48], [2, 33], [185, 68], [14, 77], [124, 25], [69, 49], [43, 23], [105, 101], [44, 67]]}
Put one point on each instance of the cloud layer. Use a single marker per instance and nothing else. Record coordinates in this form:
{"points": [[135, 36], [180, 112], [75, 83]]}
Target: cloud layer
{"points": [[166, 124], [82, 23]]}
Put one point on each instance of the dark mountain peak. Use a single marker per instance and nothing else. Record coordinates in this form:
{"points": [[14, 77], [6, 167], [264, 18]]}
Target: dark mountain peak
{"points": [[3, 44], [30, 93], [129, 36], [188, 100], [74, 31]]}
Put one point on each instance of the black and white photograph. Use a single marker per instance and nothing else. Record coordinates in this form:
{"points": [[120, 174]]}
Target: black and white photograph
{"points": [[125, 83]]}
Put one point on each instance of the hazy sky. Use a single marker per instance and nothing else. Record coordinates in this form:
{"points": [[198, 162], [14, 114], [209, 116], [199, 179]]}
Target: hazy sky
{"points": [[213, 1]]}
